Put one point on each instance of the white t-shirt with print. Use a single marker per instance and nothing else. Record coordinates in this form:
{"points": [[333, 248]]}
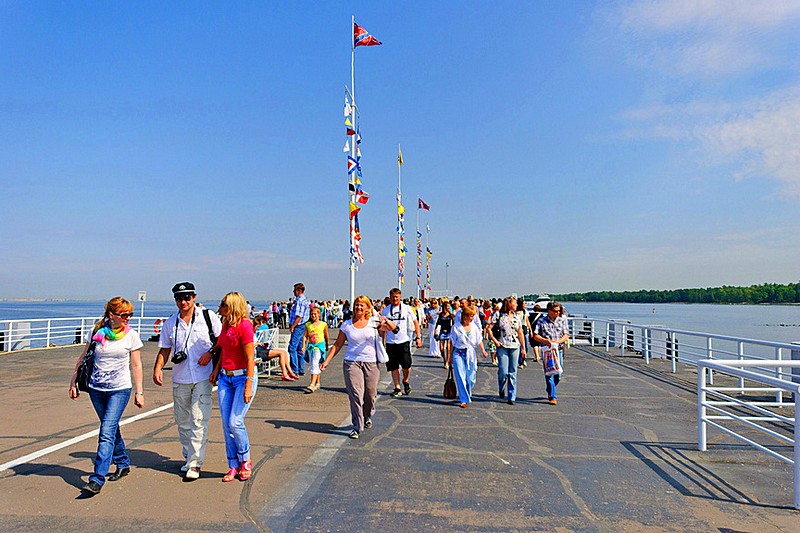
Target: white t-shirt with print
{"points": [[112, 362], [403, 316]]}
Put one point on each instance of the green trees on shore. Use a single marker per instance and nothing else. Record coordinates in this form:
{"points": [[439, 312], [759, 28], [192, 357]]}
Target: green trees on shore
{"points": [[768, 293]]}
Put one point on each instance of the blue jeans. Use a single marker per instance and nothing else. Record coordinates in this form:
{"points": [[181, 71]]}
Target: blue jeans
{"points": [[464, 372], [230, 396], [296, 357], [507, 362], [109, 406], [552, 381]]}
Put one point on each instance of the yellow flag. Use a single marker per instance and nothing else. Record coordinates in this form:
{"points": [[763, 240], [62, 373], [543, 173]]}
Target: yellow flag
{"points": [[400, 209], [399, 156], [348, 123]]}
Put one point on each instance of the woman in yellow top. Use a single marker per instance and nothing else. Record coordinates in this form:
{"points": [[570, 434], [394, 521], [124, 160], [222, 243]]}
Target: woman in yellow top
{"points": [[315, 346]]}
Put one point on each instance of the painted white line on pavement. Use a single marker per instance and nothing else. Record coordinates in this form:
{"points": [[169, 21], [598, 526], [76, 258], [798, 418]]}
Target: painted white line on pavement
{"points": [[74, 440]]}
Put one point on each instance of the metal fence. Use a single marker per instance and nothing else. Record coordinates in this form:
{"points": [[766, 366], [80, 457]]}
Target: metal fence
{"points": [[682, 346], [53, 332], [733, 415]]}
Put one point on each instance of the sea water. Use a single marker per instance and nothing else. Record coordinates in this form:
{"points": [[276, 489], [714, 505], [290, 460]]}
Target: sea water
{"points": [[779, 323]]}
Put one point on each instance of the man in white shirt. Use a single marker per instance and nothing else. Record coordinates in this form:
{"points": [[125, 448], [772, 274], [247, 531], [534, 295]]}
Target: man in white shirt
{"points": [[188, 335], [398, 341]]}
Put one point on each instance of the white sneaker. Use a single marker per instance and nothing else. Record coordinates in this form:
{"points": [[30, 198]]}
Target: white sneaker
{"points": [[184, 468], [193, 473]]}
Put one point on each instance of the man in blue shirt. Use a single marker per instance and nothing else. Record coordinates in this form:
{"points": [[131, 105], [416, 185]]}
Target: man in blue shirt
{"points": [[298, 316]]}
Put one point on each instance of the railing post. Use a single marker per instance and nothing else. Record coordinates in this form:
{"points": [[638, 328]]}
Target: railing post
{"points": [[796, 455], [646, 344], [710, 355], [741, 358], [47, 338], [9, 336], [623, 339], [591, 333], [608, 334], [779, 375], [701, 409]]}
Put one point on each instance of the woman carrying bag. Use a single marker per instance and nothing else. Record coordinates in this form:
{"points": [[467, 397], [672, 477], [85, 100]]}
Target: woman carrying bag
{"points": [[116, 360], [505, 331], [360, 367], [465, 338]]}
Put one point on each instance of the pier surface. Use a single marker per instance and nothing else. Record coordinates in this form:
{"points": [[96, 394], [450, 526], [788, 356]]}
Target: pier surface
{"points": [[618, 453]]}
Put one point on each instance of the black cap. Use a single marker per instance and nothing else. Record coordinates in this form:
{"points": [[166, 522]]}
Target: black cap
{"points": [[184, 287]]}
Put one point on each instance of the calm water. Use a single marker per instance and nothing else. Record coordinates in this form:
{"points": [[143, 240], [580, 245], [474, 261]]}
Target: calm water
{"points": [[779, 323]]}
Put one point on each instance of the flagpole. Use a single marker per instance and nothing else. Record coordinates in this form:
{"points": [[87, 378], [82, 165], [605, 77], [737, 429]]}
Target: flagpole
{"points": [[427, 257], [351, 191], [419, 255], [399, 203]]}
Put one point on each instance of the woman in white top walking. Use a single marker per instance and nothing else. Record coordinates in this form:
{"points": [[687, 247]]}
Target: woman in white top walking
{"points": [[361, 372], [116, 360], [465, 337]]}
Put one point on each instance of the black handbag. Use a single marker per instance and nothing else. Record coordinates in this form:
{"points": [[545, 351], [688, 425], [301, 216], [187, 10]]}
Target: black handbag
{"points": [[86, 368]]}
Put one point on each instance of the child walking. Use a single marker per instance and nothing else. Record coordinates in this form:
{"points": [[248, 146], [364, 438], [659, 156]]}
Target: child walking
{"points": [[315, 346]]}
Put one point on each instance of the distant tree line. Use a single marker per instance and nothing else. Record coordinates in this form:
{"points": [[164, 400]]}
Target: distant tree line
{"points": [[768, 293]]}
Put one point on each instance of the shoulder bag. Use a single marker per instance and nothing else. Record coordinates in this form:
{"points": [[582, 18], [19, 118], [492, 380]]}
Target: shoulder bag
{"points": [[450, 391], [380, 350], [86, 368]]}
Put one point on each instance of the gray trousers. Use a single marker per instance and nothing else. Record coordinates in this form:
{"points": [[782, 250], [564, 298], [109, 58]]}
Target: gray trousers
{"points": [[192, 411], [361, 380]]}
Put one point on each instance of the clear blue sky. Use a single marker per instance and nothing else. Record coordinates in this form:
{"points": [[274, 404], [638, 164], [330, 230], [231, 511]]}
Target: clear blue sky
{"points": [[561, 145]]}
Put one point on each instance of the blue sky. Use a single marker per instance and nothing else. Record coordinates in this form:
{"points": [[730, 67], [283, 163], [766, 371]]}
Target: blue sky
{"points": [[562, 146]]}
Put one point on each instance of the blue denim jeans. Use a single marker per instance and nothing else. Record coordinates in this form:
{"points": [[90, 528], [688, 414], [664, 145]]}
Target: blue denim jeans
{"points": [[507, 362], [230, 396], [109, 406], [551, 382], [297, 360]]}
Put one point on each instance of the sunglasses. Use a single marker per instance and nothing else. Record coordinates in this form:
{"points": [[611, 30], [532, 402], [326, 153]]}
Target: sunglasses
{"points": [[184, 297], [125, 316]]}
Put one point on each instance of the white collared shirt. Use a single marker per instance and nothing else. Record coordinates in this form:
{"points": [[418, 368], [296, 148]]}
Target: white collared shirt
{"points": [[199, 342]]}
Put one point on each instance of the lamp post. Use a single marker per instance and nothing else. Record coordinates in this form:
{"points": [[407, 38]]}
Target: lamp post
{"points": [[446, 265]]}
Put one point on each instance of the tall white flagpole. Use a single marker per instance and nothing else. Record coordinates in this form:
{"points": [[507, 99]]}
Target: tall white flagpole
{"points": [[399, 203], [352, 194], [419, 254]]}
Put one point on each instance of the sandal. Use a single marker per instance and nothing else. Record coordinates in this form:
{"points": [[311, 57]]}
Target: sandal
{"points": [[230, 476], [246, 471], [308, 390], [286, 377]]}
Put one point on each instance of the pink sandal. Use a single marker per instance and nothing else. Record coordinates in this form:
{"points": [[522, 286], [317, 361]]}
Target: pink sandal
{"points": [[230, 476], [246, 471]]}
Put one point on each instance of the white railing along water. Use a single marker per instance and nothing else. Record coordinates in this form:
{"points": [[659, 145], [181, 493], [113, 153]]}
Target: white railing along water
{"points": [[52, 332], [733, 415]]}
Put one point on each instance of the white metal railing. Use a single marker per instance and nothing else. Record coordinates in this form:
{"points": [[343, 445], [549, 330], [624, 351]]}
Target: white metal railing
{"points": [[740, 412], [682, 346], [49, 332]]}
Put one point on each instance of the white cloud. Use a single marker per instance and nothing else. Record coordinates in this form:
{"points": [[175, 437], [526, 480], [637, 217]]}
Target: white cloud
{"points": [[706, 38]]}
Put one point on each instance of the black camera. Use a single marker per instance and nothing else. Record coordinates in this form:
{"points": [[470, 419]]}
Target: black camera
{"points": [[178, 357]]}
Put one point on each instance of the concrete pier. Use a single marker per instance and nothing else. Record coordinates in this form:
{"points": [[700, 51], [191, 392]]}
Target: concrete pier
{"points": [[617, 453]]}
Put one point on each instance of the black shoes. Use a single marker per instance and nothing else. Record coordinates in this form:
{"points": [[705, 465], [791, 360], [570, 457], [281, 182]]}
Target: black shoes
{"points": [[502, 394], [397, 393], [354, 434], [406, 388], [93, 487], [510, 402], [368, 423], [119, 474]]}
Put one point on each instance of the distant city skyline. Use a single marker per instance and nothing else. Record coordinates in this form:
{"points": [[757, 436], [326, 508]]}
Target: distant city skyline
{"points": [[562, 147]]}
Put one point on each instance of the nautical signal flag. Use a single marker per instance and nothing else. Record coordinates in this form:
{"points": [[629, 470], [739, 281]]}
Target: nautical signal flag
{"points": [[399, 156], [354, 209], [423, 205], [362, 197], [362, 38]]}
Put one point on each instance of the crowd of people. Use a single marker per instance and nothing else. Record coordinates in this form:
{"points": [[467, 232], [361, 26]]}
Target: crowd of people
{"points": [[207, 349]]}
